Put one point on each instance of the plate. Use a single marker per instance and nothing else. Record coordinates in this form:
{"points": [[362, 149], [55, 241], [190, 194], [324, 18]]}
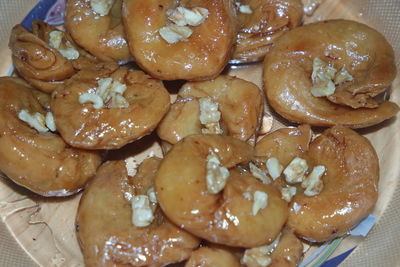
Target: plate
{"points": [[44, 227]]}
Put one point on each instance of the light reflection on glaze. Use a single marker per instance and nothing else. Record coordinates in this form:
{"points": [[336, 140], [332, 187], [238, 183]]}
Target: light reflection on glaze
{"points": [[232, 218], [104, 40], [269, 20], [41, 162], [119, 241], [239, 102], [202, 56], [109, 128], [225, 217], [349, 192]]}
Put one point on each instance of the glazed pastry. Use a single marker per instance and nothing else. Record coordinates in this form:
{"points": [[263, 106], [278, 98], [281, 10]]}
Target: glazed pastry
{"points": [[329, 72], [226, 105], [261, 22], [200, 188], [331, 182], [97, 26], [46, 57], [119, 221], [206, 256], [32, 154], [190, 41], [285, 251], [108, 107]]}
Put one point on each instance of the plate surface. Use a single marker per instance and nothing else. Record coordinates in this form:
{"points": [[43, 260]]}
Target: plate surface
{"points": [[45, 227]]}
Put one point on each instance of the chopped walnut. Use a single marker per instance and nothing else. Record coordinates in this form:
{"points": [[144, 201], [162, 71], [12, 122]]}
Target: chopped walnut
{"points": [[142, 214], [260, 201], [322, 77], [101, 7], [174, 33], [38, 121], [266, 124], [296, 170], [50, 124], [260, 174], [325, 78], [216, 174], [55, 39], [313, 183], [108, 92], [209, 116], [152, 195], [274, 167], [259, 256], [343, 76], [288, 193], [245, 9], [183, 16], [69, 53], [247, 196], [180, 18], [93, 98]]}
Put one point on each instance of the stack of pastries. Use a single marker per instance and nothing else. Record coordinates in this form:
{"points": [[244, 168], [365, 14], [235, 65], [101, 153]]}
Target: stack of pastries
{"points": [[226, 192]]}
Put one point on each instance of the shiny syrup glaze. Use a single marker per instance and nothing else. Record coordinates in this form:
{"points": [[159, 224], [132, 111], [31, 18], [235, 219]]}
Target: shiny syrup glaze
{"points": [[209, 256], [106, 233], [259, 30], [81, 125], [202, 56], [36, 60], [226, 217], [365, 53], [350, 186], [350, 182], [41, 162], [43, 66], [240, 103], [102, 36], [287, 252]]}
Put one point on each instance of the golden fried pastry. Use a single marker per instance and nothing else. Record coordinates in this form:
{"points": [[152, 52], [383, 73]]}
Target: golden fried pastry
{"points": [[335, 179], [107, 107], [328, 73], [285, 144], [46, 56], [200, 189], [190, 41], [261, 22], [226, 105], [96, 25], [285, 251], [288, 252], [108, 222], [210, 257], [350, 191], [30, 154]]}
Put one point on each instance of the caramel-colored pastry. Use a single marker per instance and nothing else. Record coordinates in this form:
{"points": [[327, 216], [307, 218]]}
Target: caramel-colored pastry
{"points": [[200, 188], [190, 40], [32, 154], [226, 105], [329, 73], [261, 23], [120, 223], [96, 25], [107, 107], [209, 256], [331, 182], [46, 57]]}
